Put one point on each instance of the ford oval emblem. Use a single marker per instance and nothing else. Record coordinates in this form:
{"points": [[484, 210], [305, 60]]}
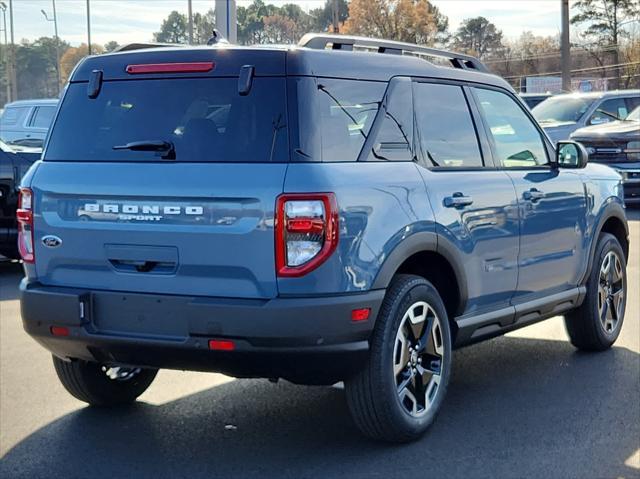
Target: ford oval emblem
{"points": [[51, 241]]}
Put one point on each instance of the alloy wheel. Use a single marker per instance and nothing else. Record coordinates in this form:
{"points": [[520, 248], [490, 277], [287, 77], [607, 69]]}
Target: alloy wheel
{"points": [[418, 358], [611, 292]]}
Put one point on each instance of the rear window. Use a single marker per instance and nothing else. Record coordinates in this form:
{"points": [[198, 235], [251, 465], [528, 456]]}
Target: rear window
{"points": [[43, 116], [13, 115], [205, 119]]}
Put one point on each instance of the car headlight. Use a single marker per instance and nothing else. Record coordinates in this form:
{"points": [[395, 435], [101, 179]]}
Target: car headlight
{"points": [[633, 150], [624, 174]]}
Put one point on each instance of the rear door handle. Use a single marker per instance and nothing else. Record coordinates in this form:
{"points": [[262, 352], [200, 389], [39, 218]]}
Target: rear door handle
{"points": [[533, 195], [457, 200]]}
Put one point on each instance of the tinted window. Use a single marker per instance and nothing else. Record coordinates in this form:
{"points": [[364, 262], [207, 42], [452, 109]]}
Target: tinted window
{"points": [[394, 136], [633, 103], [205, 119], [444, 127], [43, 116], [335, 116], [516, 140], [14, 115], [562, 108], [609, 110]]}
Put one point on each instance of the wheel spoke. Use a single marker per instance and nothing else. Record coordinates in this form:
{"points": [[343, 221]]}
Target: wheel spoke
{"points": [[408, 400], [404, 384], [415, 320], [606, 266], [400, 354], [617, 301], [604, 313], [617, 269]]}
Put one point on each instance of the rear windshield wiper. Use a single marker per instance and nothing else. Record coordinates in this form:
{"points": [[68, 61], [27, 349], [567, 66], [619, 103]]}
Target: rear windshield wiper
{"points": [[165, 147]]}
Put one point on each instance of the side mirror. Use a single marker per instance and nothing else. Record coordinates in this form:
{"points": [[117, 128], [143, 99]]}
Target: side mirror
{"points": [[571, 154]]}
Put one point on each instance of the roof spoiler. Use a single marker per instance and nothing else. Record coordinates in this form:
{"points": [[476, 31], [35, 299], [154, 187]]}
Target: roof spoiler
{"points": [[320, 41]]}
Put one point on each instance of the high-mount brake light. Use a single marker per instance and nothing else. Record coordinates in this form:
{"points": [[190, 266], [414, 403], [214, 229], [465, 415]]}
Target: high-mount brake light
{"points": [[306, 232], [191, 67], [24, 215]]}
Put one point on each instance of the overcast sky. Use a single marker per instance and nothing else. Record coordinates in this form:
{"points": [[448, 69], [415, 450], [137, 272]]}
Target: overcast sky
{"points": [[135, 20]]}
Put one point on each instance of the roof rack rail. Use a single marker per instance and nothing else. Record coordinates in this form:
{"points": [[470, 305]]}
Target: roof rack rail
{"points": [[139, 46], [320, 41]]}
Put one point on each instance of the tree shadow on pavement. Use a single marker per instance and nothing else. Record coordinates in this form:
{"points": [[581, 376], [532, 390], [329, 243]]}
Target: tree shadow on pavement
{"points": [[515, 408]]}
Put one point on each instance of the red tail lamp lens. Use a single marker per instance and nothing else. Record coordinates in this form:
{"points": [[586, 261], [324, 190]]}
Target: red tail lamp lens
{"points": [[24, 215], [306, 232]]}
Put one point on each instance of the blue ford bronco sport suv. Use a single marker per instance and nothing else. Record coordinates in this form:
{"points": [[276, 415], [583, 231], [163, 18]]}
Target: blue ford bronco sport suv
{"points": [[341, 210]]}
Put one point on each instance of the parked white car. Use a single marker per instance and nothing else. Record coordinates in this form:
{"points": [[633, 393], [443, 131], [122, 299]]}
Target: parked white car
{"points": [[26, 122]]}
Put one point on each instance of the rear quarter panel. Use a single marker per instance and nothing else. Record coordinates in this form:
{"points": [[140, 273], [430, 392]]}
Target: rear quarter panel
{"points": [[380, 204]]}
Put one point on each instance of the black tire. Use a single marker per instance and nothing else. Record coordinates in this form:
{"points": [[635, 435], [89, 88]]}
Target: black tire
{"points": [[584, 325], [373, 394], [88, 382]]}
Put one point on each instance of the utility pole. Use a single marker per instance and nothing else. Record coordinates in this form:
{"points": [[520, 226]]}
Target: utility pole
{"points": [[190, 10], [334, 16], [57, 39], [13, 77], [88, 27], [3, 7], [227, 20], [565, 48]]}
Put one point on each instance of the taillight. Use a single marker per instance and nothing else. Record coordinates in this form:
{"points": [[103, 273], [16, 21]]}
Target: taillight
{"points": [[24, 216], [306, 231]]}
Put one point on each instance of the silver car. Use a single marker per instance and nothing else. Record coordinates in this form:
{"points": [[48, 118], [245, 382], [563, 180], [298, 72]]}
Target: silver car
{"points": [[26, 122], [561, 115]]}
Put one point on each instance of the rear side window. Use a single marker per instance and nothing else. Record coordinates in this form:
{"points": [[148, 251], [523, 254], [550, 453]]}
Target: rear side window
{"points": [[335, 116], [14, 115], [444, 128], [205, 119], [42, 117]]}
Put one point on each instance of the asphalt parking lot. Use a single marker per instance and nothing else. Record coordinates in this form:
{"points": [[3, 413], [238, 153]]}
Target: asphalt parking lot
{"points": [[525, 405]]}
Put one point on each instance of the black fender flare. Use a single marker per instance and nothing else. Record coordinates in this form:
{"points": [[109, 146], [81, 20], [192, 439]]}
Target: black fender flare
{"points": [[611, 210], [424, 241]]}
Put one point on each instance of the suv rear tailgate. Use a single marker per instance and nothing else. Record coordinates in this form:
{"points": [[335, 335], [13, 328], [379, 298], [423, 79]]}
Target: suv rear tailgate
{"points": [[179, 228]]}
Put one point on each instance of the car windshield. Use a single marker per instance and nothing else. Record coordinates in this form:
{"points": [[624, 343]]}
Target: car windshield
{"points": [[634, 115], [562, 109]]}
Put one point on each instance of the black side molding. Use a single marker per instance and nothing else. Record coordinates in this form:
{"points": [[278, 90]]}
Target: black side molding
{"points": [[475, 328]]}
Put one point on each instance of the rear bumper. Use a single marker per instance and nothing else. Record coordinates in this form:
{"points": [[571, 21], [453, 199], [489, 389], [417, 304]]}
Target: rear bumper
{"points": [[308, 340]]}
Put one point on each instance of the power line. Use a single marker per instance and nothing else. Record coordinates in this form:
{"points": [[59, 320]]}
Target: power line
{"points": [[550, 55], [604, 67]]}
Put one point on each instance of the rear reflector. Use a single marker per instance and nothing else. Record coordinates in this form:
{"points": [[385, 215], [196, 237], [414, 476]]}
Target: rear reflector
{"points": [[221, 345], [360, 314], [195, 67], [59, 331]]}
